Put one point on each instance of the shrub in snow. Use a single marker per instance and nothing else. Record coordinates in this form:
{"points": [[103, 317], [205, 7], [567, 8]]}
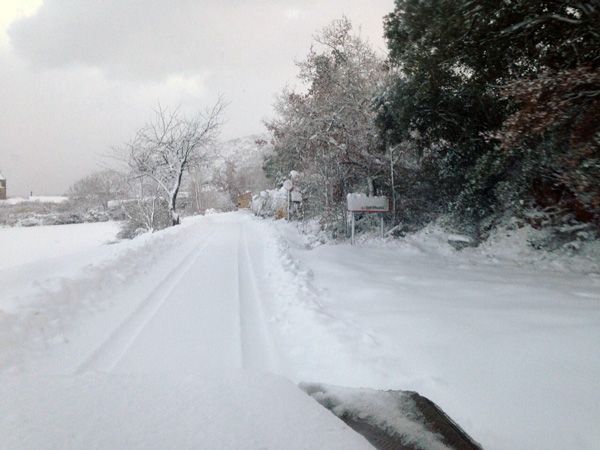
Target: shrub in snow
{"points": [[143, 215], [93, 215], [270, 203]]}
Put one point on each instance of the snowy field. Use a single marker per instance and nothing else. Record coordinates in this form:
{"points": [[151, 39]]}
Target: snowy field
{"points": [[35, 198], [197, 314], [21, 245]]}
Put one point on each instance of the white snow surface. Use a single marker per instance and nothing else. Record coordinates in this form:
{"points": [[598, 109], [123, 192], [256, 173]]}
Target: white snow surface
{"points": [[35, 198], [226, 410], [507, 347], [159, 342], [193, 337], [21, 245]]}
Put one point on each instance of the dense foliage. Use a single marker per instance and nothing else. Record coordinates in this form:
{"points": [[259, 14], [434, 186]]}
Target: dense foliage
{"points": [[500, 101], [484, 111]]}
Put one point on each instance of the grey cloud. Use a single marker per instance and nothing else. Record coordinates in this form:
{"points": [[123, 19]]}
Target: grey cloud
{"points": [[152, 38], [81, 76]]}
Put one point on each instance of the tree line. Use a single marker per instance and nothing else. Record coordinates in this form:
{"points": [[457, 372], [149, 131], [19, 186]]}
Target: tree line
{"points": [[480, 113]]}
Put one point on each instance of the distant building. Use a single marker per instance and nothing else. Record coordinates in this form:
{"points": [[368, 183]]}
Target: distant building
{"points": [[2, 187]]}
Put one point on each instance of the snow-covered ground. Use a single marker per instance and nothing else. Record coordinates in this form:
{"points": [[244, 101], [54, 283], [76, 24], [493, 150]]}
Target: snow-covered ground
{"points": [[225, 410], [509, 349], [21, 245], [35, 198], [164, 341], [160, 342]]}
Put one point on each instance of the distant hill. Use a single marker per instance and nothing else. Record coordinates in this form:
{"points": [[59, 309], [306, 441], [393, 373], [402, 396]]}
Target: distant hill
{"points": [[244, 151]]}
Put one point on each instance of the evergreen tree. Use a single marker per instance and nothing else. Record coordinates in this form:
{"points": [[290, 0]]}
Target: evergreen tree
{"points": [[454, 61]]}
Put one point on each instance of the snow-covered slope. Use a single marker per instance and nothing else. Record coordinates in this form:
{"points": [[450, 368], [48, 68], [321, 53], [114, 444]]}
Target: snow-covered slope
{"points": [[244, 150]]}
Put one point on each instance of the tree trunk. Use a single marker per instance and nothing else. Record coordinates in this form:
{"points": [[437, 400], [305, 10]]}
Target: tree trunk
{"points": [[173, 199]]}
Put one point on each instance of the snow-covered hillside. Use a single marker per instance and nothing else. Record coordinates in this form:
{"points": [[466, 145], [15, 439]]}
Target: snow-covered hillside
{"points": [[245, 151]]}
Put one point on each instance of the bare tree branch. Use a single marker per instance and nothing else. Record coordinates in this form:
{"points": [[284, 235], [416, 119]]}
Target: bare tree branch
{"points": [[167, 147]]}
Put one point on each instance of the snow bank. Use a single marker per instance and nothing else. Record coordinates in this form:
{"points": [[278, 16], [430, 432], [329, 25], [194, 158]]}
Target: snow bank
{"points": [[507, 347], [513, 246]]}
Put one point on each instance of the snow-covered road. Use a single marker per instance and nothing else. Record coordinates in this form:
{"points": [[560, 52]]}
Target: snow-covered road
{"points": [[178, 357], [204, 315], [196, 337]]}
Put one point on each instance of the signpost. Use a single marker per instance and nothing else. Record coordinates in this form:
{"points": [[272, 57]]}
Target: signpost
{"points": [[288, 186], [294, 197], [363, 203]]}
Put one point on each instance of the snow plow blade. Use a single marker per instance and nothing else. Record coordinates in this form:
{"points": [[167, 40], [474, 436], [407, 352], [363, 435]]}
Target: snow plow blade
{"points": [[392, 420]]}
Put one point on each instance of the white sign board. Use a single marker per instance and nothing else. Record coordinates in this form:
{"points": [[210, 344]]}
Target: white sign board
{"points": [[363, 203]]}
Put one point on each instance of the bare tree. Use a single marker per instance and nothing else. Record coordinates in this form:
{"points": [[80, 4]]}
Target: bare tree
{"points": [[164, 149], [97, 189], [145, 211]]}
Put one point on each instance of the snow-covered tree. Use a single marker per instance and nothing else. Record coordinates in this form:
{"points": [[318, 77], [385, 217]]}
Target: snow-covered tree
{"points": [[170, 145], [328, 131]]}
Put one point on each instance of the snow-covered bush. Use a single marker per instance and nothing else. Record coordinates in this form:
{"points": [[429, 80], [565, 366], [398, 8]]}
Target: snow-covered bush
{"points": [[270, 203], [143, 215]]}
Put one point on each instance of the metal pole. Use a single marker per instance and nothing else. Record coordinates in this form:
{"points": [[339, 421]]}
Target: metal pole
{"points": [[352, 233], [381, 224], [392, 183]]}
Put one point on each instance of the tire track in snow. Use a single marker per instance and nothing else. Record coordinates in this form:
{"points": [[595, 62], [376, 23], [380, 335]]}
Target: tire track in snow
{"points": [[258, 351], [112, 350]]}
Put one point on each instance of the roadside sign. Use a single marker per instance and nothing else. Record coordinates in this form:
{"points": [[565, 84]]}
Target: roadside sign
{"points": [[362, 203], [370, 204]]}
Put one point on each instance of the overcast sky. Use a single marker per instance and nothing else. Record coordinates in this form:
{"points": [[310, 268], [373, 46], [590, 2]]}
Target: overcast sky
{"points": [[78, 77]]}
